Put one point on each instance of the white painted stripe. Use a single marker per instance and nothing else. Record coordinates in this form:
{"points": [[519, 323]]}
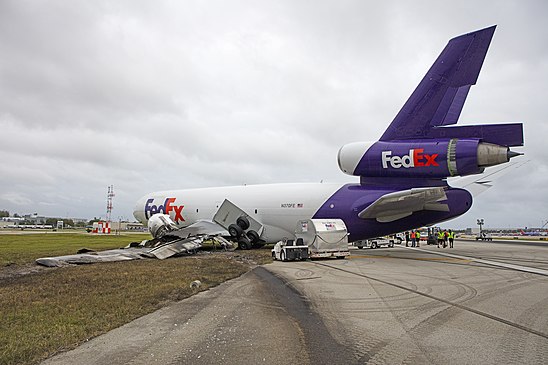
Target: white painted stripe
{"points": [[533, 270]]}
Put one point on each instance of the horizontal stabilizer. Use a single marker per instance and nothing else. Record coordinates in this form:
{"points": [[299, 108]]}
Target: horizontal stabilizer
{"points": [[400, 204], [477, 184]]}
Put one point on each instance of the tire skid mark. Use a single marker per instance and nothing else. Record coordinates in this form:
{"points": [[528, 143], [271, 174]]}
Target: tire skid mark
{"points": [[448, 302]]}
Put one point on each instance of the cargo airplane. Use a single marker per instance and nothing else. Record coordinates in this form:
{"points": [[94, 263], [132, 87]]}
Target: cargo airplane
{"points": [[402, 177]]}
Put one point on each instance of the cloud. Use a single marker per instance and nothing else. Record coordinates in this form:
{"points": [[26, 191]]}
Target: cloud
{"points": [[153, 96]]}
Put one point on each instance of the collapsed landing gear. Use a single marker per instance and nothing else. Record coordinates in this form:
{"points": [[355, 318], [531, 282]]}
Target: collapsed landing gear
{"points": [[242, 227], [253, 237], [235, 231], [243, 222], [246, 240], [243, 245]]}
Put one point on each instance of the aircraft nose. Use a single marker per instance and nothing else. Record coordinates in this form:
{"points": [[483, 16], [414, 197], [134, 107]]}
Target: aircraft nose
{"points": [[139, 210]]}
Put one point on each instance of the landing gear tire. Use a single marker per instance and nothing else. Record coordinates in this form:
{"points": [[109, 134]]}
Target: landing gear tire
{"points": [[253, 237], [243, 222], [243, 245], [235, 230], [391, 244], [282, 256], [360, 247]]}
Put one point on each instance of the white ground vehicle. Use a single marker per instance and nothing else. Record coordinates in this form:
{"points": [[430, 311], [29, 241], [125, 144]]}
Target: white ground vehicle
{"points": [[398, 238], [290, 250], [321, 237], [375, 242], [484, 237]]}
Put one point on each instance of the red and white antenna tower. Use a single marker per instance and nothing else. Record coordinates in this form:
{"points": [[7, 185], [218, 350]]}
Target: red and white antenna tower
{"points": [[110, 195]]}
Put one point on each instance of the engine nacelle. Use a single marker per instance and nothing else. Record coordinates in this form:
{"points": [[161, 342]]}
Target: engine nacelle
{"points": [[161, 224], [421, 158]]}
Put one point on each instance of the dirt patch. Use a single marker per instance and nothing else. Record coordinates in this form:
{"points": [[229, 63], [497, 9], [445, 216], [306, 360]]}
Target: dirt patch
{"points": [[14, 270]]}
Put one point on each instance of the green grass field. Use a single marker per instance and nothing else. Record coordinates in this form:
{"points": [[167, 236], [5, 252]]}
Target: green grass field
{"points": [[25, 248], [57, 309]]}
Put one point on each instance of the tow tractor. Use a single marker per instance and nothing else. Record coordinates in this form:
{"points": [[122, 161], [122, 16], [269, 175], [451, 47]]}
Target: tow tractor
{"points": [[290, 250]]}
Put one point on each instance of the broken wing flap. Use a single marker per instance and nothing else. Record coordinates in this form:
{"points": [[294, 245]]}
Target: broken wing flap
{"points": [[400, 204], [176, 247], [185, 240]]}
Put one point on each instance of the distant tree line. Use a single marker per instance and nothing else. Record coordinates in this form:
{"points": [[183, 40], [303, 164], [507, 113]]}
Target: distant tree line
{"points": [[67, 222]]}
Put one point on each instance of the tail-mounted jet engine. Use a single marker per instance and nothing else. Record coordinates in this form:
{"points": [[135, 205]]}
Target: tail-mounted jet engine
{"points": [[421, 158]]}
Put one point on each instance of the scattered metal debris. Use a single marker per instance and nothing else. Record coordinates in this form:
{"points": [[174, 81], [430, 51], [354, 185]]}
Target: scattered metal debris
{"points": [[168, 241]]}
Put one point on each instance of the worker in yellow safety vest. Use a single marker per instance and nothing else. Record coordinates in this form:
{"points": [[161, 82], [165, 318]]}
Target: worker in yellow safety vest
{"points": [[418, 237], [451, 238], [440, 238]]}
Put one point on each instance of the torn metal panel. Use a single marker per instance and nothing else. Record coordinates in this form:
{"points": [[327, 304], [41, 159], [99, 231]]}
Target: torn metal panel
{"points": [[177, 247], [93, 257], [201, 227], [171, 242]]}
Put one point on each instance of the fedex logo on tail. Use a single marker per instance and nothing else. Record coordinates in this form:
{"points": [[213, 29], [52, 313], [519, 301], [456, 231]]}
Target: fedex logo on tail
{"points": [[415, 158], [166, 208]]}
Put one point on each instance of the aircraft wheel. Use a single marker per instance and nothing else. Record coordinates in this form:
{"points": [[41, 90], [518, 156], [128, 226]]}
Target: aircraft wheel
{"points": [[243, 222], [235, 230], [253, 236], [360, 247], [243, 245], [257, 245], [282, 256]]}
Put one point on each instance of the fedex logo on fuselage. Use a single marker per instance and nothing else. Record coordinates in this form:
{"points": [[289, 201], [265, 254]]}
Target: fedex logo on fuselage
{"points": [[415, 158], [166, 208]]}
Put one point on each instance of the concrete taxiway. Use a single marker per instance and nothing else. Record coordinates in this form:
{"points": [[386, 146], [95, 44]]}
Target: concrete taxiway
{"points": [[384, 306]]}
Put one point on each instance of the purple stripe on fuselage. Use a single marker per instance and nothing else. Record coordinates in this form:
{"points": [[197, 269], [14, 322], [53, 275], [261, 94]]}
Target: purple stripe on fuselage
{"points": [[350, 199]]}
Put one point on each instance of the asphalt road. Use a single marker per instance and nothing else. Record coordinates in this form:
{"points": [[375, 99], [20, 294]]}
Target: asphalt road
{"points": [[383, 306]]}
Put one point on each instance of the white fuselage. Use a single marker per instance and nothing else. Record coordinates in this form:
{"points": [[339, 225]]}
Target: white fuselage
{"points": [[278, 206]]}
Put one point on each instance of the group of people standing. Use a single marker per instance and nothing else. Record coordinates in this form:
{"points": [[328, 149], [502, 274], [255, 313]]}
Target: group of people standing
{"points": [[444, 236], [414, 236]]}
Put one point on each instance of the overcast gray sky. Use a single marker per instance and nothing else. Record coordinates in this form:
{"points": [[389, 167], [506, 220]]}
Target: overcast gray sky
{"points": [[154, 95]]}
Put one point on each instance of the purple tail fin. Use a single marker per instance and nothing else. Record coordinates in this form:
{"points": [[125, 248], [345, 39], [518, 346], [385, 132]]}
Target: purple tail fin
{"points": [[438, 99]]}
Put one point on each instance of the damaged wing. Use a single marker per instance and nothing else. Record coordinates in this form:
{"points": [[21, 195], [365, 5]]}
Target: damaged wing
{"points": [[168, 241], [121, 254]]}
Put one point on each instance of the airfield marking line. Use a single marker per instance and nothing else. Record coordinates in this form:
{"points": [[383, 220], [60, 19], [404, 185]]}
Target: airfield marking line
{"points": [[454, 304], [532, 270], [406, 258]]}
